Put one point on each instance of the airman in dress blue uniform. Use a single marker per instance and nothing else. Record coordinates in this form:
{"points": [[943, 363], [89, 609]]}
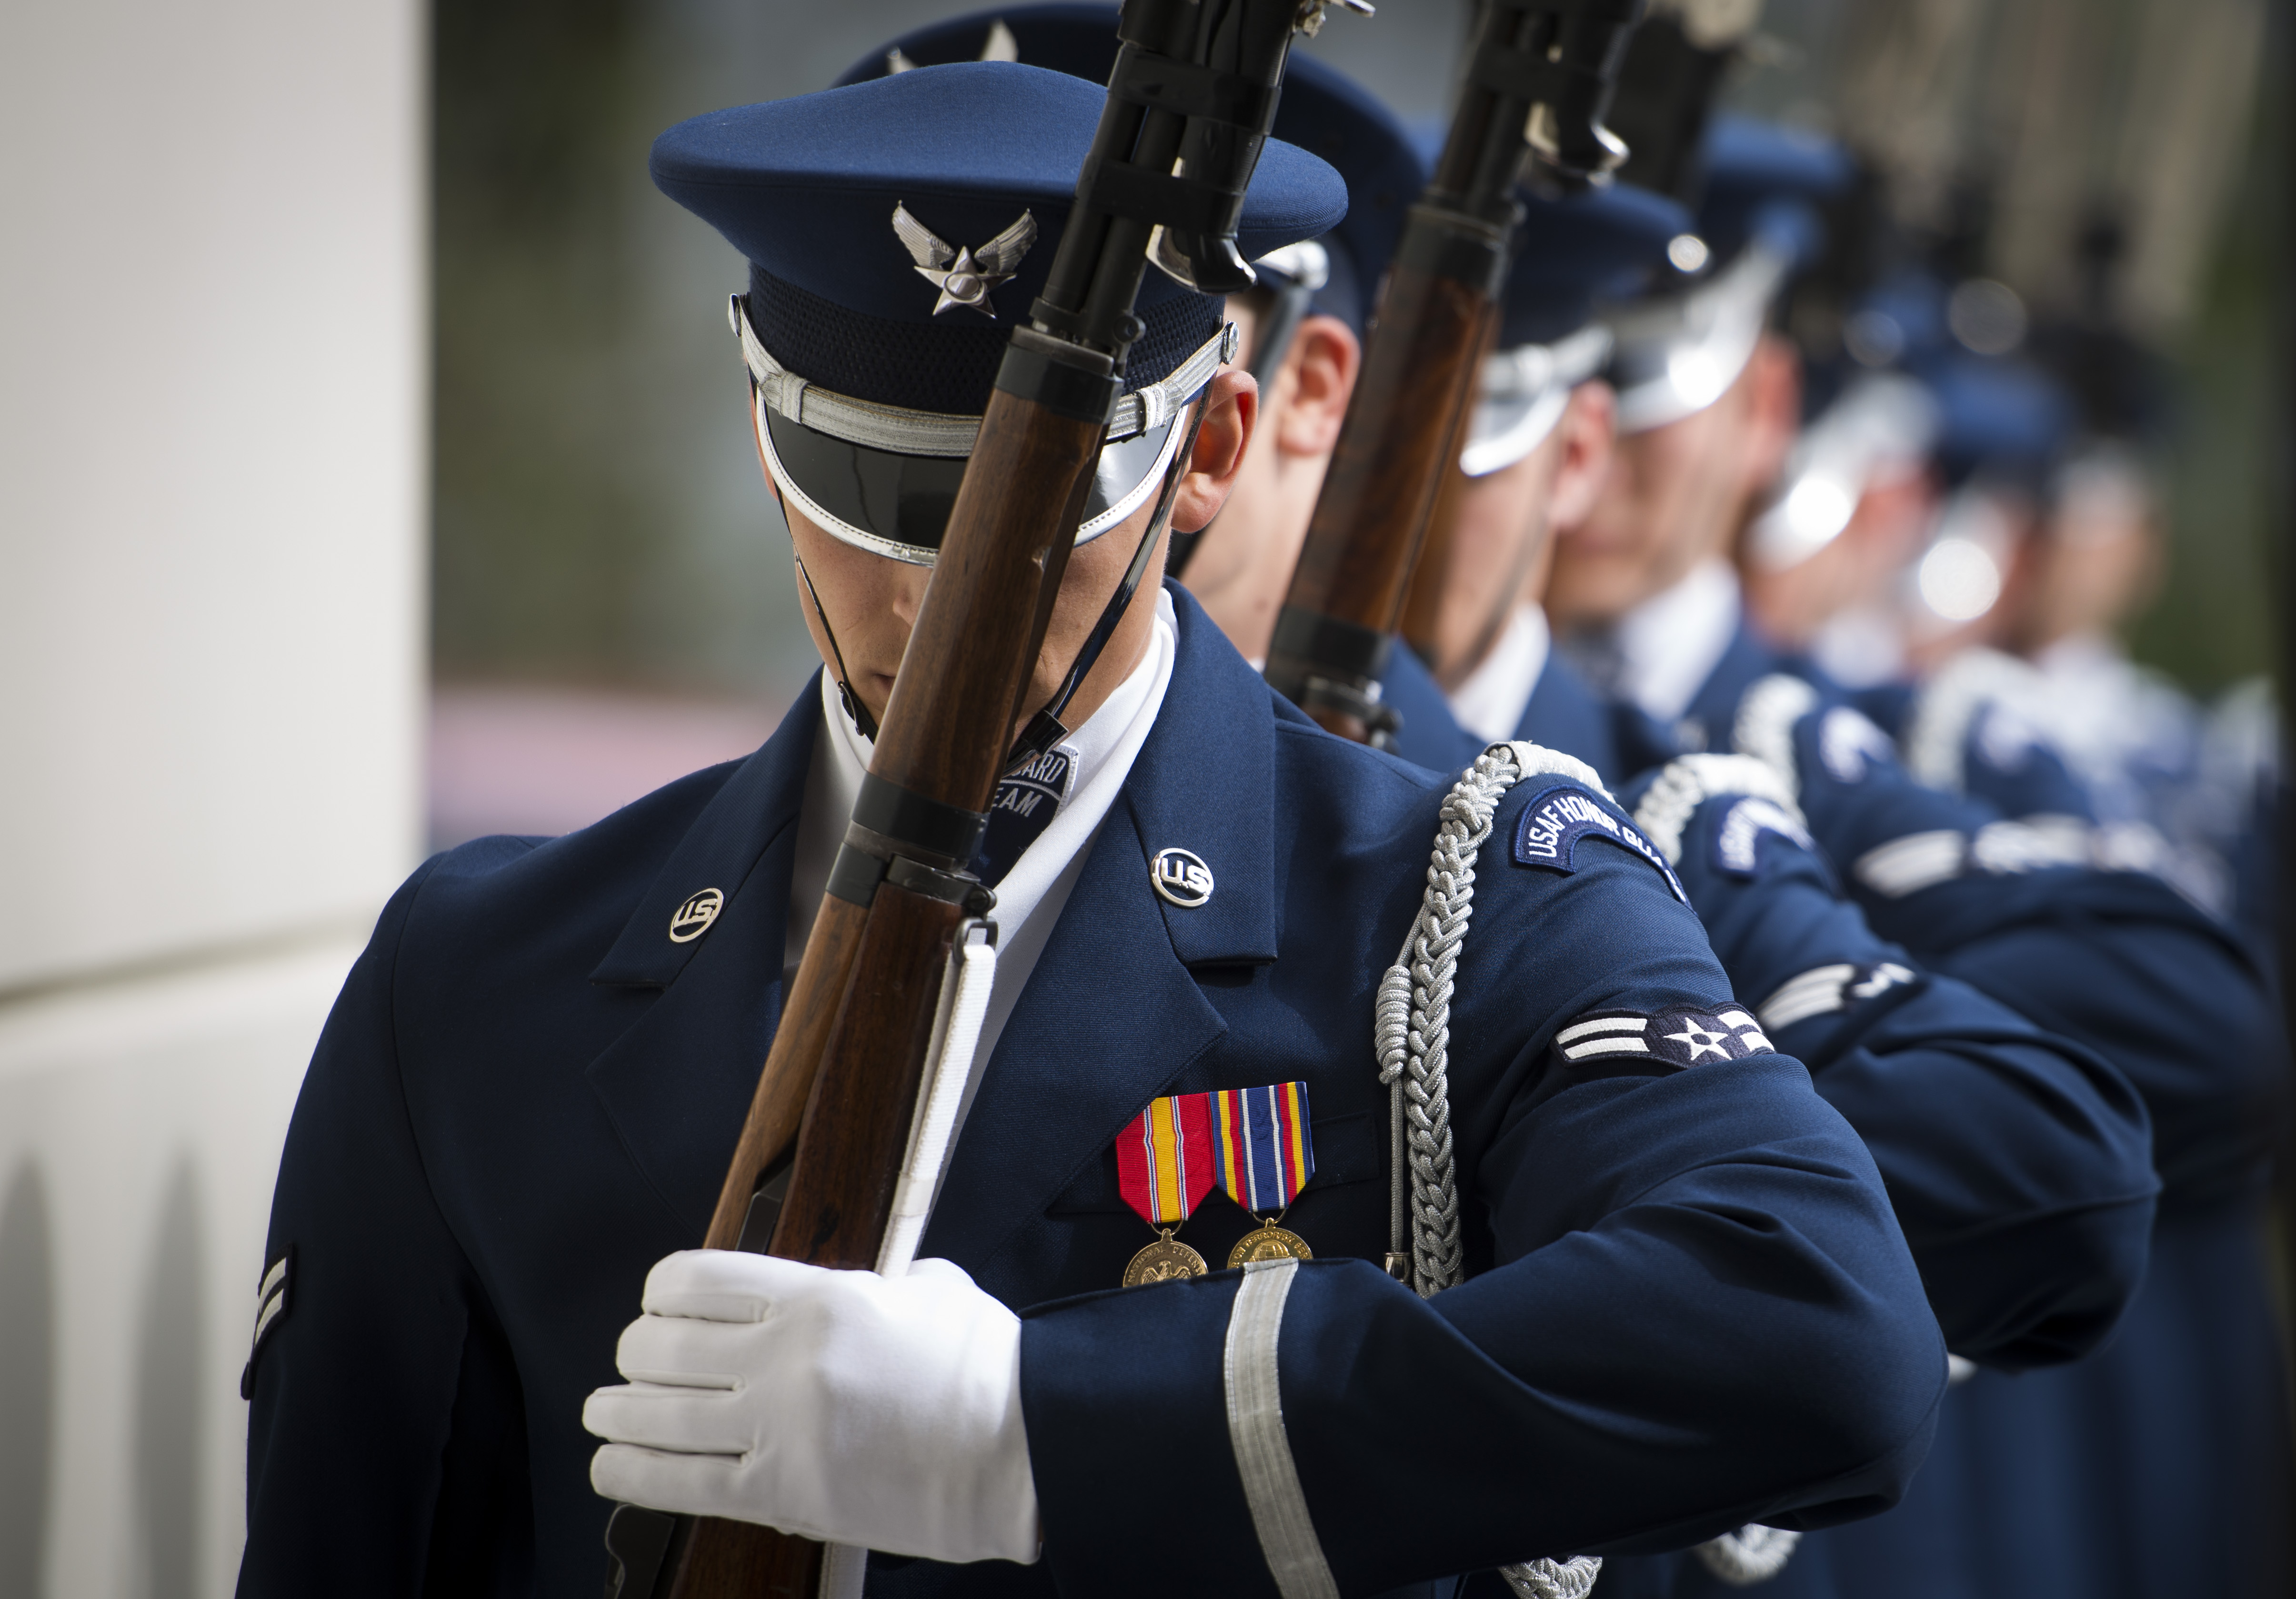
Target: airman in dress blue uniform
{"points": [[2149, 1467], [2040, 1150], [532, 1080], [2111, 959]]}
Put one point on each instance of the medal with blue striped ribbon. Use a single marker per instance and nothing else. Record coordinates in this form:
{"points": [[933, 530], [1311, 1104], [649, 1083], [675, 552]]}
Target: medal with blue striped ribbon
{"points": [[1265, 1154]]}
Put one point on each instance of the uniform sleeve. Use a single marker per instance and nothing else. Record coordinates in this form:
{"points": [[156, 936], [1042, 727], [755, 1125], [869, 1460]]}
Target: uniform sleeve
{"points": [[2019, 1163], [1695, 1311], [2114, 961], [384, 1433]]}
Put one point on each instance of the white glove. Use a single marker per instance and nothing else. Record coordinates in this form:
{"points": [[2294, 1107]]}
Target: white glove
{"points": [[838, 1405]]}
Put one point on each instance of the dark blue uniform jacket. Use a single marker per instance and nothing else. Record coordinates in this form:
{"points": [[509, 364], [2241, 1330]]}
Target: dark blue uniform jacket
{"points": [[1563, 713], [1693, 1306], [2162, 1464]]}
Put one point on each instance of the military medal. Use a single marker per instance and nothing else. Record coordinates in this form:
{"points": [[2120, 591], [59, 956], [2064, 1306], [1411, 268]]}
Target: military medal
{"points": [[1264, 1156], [1164, 1169]]}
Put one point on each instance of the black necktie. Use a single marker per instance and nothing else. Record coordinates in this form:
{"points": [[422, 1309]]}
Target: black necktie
{"points": [[1027, 799], [1600, 658]]}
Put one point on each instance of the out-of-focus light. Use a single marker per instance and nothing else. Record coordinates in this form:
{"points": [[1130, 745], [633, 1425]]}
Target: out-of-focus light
{"points": [[1818, 510], [1873, 337], [1959, 579], [1688, 252], [1697, 376], [1987, 317]]}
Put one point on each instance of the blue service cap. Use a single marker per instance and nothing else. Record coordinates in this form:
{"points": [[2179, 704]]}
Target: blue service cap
{"points": [[1321, 111], [1766, 179], [1572, 250], [1681, 347], [896, 231], [1998, 417], [1575, 250]]}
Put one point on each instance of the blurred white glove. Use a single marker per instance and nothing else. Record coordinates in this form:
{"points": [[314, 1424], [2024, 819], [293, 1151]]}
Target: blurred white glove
{"points": [[838, 1405]]}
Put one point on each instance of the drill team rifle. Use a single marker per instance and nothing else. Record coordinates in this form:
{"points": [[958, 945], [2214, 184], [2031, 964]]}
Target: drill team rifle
{"points": [[818, 1173], [1538, 83]]}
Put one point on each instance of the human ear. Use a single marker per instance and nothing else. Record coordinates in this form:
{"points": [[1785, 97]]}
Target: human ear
{"points": [[1231, 405], [1324, 360], [1590, 431]]}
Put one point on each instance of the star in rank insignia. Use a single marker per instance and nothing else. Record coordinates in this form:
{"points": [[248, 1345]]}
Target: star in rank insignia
{"points": [[964, 276]]}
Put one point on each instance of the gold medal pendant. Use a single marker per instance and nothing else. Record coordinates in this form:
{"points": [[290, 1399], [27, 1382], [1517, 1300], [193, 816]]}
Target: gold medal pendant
{"points": [[1166, 1260], [1269, 1242]]}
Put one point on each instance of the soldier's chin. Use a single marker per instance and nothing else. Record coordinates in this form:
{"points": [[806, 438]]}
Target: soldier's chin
{"points": [[1593, 590]]}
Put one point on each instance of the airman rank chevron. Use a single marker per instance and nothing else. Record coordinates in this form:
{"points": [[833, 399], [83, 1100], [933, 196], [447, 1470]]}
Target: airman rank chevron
{"points": [[1624, 1043], [1556, 818]]}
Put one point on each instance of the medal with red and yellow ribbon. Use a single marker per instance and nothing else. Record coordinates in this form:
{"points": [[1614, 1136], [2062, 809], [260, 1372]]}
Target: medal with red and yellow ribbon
{"points": [[1264, 1157], [1164, 1169]]}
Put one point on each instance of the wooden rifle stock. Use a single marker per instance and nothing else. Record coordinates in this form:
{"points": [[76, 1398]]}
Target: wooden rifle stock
{"points": [[1538, 77], [839, 1084], [1430, 574]]}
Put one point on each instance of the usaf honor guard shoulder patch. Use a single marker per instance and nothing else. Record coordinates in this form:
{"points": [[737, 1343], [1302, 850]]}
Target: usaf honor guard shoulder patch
{"points": [[1626, 1043], [1547, 834]]}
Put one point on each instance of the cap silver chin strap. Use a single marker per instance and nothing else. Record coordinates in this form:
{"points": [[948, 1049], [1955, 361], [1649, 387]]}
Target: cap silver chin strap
{"points": [[1677, 356], [902, 430], [909, 432], [1522, 392]]}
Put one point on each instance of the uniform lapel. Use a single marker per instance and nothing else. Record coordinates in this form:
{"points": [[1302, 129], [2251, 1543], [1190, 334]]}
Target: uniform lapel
{"points": [[677, 1083], [1112, 1016]]}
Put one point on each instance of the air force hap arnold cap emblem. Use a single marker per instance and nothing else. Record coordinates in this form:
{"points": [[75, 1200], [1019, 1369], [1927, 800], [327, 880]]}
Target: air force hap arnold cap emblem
{"points": [[871, 353], [1322, 111]]}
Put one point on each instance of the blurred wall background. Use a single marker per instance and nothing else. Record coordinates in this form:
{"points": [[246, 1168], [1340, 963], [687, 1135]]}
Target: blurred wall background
{"points": [[613, 602], [213, 503]]}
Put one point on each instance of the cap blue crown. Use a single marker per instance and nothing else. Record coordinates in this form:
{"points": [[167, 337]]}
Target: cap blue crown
{"points": [[1769, 180], [1321, 111], [1572, 251], [806, 188]]}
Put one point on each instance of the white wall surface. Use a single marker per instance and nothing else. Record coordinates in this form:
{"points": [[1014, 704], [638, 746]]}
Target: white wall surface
{"points": [[212, 505], [211, 441]]}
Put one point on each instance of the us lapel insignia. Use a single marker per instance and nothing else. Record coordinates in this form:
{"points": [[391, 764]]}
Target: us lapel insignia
{"points": [[1181, 878], [691, 920]]}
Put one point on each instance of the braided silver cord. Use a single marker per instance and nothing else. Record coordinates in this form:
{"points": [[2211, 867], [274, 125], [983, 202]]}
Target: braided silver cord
{"points": [[1690, 781], [1751, 1554], [1937, 735], [1411, 1037], [1572, 1578], [1766, 715]]}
